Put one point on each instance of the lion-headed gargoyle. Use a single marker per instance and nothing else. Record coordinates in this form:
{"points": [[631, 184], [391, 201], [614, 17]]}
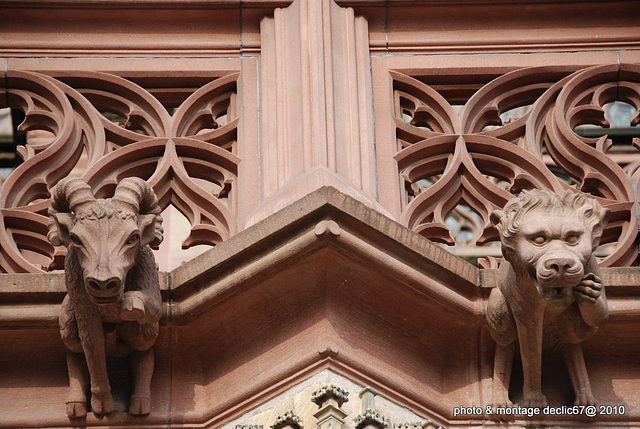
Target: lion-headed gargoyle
{"points": [[113, 303], [549, 288]]}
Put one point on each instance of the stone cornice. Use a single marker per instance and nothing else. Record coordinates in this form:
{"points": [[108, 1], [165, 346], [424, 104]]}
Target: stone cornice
{"points": [[325, 220], [145, 4], [37, 27]]}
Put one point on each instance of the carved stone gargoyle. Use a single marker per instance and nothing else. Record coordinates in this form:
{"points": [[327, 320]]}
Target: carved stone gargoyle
{"points": [[113, 302], [549, 287]]}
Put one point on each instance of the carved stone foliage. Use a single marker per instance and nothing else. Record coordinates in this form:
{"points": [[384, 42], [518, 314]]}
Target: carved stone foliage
{"points": [[105, 128], [454, 160], [288, 419], [328, 392], [335, 409]]}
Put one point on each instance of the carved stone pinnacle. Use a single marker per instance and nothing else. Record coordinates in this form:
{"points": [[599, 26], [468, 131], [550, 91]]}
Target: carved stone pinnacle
{"points": [[330, 391], [370, 418], [289, 418]]}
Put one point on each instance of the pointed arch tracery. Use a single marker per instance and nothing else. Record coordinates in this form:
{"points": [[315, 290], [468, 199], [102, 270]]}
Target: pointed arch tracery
{"points": [[475, 157], [105, 128]]}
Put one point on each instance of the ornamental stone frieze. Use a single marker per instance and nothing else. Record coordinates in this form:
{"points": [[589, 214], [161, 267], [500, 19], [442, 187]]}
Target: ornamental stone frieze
{"points": [[330, 392]]}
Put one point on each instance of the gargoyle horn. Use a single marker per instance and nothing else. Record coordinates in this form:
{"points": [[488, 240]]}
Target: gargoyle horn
{"points": [[69, 195], [136, 194]]}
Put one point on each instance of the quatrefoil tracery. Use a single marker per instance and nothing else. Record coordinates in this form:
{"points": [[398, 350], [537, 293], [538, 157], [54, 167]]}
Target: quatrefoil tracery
{"points": [[187, 156], [474, 158]]}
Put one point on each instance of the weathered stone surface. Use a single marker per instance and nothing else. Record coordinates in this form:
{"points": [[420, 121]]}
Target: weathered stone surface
{"points": [[240, 114]]}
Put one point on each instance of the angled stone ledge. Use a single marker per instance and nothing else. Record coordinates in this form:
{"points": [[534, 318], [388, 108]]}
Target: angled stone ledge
{"points": [[292, 232]]}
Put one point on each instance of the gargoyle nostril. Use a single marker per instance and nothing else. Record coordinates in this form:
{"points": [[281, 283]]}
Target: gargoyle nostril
{"points": [[560, 264], [94, 284], [112, 284], [108, 285]]}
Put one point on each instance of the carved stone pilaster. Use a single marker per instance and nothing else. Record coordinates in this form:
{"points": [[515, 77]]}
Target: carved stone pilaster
{"points": [[368, 395], [330, 399], [369, 417], [316, 109]]}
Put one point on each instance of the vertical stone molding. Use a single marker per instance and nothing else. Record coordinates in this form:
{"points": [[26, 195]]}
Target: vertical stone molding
{"points": [[330, 399], [316, 104]]}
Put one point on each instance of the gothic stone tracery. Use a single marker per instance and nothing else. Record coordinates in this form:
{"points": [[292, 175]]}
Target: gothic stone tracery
{"points": [[466, 161], [105, 128]]}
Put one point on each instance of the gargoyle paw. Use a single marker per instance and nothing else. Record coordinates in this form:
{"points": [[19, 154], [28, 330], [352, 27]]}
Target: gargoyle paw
{"points": [[585, 398], [132, 308], [140, 406], [501, 401], [102, 403], [589, 288], [534, 399], [76, 410]]}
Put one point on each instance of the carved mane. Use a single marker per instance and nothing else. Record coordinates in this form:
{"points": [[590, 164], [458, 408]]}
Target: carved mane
{"points": [[569, 203]]}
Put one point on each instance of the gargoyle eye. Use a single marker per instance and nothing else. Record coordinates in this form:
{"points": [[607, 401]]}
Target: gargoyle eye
{"points": [[133, 239], [538, 239], [572, 238], [75, 240]]}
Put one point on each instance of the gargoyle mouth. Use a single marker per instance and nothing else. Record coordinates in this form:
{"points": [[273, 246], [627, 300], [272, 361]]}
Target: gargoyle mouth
{"points": [[105, 300], [550, 280], [555, 292]]}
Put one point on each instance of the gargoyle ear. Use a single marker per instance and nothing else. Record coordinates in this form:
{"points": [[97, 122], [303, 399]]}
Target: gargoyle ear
{"points": [[496, 216], [60, 225], [605, 216], [147, 226], [598, 228]]}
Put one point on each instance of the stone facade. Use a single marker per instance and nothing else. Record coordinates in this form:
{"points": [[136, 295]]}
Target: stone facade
{"points": [[341, 161]]}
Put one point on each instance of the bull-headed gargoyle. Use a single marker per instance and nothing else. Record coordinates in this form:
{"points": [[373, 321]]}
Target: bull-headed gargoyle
{"points": [[113, 304], [549, 288]]}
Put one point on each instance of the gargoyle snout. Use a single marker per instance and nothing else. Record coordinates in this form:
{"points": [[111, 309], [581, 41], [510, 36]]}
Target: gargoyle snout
{"points": [[561, 265], [559, 270], [103, 287]]}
